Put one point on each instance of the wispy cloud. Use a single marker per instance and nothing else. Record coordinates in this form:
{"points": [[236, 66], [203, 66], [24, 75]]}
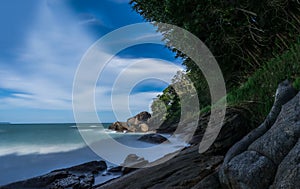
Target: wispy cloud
{"points": [[41, 77]]}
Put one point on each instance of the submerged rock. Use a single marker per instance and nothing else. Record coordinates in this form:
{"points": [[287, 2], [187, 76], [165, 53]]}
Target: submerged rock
{"points": [[153, 138]]}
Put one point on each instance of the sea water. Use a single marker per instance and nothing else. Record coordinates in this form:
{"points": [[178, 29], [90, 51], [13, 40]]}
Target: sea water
{"points": [[29, 150], [24, 139]]}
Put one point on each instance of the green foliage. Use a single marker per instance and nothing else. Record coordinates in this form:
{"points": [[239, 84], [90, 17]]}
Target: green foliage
{"points": [[257, 93], [168, 104], [172, 103], [241, 34], [296, 83]]}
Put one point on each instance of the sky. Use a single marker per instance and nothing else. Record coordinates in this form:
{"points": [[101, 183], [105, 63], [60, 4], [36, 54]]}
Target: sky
{"points": [[42, 44]]}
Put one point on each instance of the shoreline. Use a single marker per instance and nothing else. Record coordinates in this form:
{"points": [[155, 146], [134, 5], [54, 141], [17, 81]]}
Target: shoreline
{"points": [[42, 164]]}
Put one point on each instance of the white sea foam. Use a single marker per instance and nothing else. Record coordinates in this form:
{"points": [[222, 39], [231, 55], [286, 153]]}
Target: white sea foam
{"points": [[38, 149], [149, 152], [95, 126]]}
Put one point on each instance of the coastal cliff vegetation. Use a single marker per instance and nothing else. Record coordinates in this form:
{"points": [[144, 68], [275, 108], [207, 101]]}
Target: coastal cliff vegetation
{"points": [[256, 45]]}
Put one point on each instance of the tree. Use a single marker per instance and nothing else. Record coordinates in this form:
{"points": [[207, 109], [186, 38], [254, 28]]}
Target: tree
{"points": [[241, 34]]}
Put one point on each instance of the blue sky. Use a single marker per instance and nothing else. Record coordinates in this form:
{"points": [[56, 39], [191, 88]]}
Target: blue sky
{"points": [[42, 43]]}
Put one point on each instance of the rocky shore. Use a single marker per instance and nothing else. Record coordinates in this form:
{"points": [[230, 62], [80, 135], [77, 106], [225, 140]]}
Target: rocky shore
{"points": [[266, 157]]}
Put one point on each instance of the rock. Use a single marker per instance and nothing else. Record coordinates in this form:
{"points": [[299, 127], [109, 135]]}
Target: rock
{"points": [[119, 126], [132, 121], [93, 167], [153, 138], [185, 170], [255, 160], [230, 133], [138, 119], [250, 170], [133, 162], [115, 169], [288, 172], [143, 116], [167, 128], [209, 182], [144, 127], [81, 176], [138, 123]]}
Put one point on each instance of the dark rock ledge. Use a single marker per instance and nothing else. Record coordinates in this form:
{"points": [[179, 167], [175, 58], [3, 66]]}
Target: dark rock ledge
{"points": [[77, 177]]}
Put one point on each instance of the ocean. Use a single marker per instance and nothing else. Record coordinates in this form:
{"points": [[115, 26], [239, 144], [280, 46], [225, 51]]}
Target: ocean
{"points": [[24, 139], [29, 150]]}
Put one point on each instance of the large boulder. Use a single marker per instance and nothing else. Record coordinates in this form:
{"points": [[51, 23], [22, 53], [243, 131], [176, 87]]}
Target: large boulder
{"points": [[138, 123], [119, 126], [138, 119], [133, 162], [288, 172], [153, 138], [266, 156]]}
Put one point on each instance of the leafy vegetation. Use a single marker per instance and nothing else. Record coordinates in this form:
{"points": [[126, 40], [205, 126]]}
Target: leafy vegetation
{"points": [[251, 41], [241, 34], [257, 93]]}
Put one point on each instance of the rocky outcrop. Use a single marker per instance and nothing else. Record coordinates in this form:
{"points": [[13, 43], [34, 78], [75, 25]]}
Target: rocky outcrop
{"points": [[77, 177], [230, 133], [263, 156], [288, 172], [139, 118], [133, 162], [185, 170], [153, 138], [267, 157], [138, 123], [119, 126], [189, 169]]}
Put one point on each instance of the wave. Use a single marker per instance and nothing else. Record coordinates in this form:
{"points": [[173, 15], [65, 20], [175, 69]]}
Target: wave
{"points": [[95, 126], [86, 126], [38, 149]]}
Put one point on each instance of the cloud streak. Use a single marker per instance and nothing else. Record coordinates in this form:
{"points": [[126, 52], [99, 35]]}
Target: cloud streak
{"points": [[41, 76]]}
